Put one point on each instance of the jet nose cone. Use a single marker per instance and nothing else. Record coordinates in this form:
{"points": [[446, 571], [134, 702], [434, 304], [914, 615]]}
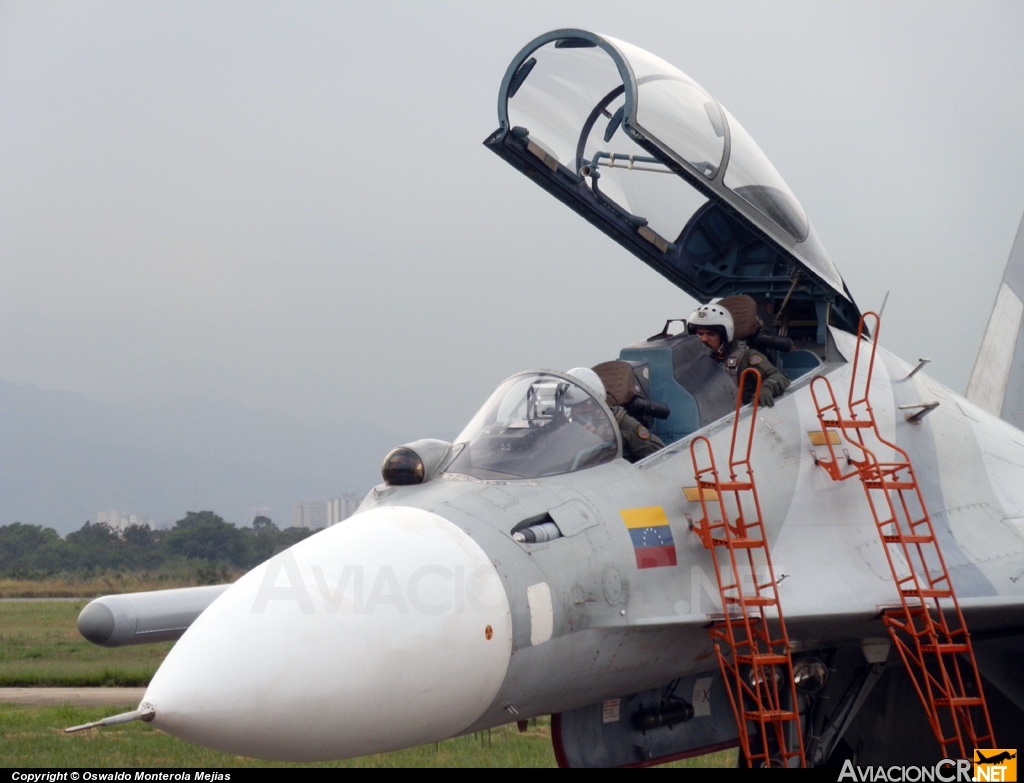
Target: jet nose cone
{"points": [[389, 630]]}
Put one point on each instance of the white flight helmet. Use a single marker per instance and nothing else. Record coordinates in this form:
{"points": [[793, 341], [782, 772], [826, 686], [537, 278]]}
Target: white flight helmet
{"points": [[589, 379], [710, 315]]}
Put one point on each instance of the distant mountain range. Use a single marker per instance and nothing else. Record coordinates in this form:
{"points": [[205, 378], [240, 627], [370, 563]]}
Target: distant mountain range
{"points": [[63, 457]]}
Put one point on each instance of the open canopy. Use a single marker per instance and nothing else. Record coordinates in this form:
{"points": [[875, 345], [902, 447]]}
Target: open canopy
{"points": [[647, 155]]}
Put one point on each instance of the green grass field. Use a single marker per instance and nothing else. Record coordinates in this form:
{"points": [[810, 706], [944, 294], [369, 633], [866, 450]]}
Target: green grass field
{"points": [[93, 586], [40, 646], [34, 737]]}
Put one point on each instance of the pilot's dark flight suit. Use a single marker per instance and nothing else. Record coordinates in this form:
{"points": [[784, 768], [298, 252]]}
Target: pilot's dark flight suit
{"points": [[637, 441], [738, 356]]}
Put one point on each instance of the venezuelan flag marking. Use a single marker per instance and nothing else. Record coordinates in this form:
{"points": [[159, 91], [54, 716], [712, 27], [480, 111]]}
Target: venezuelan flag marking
{"points": [[651, 536]]}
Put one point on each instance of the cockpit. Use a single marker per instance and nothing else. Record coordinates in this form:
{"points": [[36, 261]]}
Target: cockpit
{"points": [[536, 424], [648, 156]]}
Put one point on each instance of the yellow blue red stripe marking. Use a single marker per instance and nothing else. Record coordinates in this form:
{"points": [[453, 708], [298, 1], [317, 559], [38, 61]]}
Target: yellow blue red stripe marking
{"points": [[651, 536]]}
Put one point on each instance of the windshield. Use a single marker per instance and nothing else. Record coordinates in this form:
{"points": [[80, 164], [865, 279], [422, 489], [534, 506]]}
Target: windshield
{"points": [[536, 424]]}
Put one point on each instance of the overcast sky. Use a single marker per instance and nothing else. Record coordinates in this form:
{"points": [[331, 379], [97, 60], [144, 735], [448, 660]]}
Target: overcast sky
{"points": [[288, 204]]}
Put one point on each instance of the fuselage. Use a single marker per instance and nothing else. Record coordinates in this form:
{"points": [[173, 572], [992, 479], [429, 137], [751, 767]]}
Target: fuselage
{"points": [[421, 617]]}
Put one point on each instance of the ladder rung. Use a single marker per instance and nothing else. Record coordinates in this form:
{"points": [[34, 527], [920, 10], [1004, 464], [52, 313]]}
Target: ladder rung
{"points": [[927, 593], [739, 543], [751, 600], [847, 424], [897, 539], [888, 484], [726, 619], [765, 659], [945, 649], [770, 715], [732, 486], [959, 701]]}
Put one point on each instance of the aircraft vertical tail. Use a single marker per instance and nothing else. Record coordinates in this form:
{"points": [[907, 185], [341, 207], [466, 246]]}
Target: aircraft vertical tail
{"points": [[997, 381]]}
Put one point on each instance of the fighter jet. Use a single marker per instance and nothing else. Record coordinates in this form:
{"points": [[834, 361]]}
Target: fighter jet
{"points": [[838, 576]]}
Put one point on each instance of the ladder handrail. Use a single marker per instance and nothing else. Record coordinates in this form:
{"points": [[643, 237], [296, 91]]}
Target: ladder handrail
{"points": [[755, 400], [907, 525], [754, 683], [861, 339]]}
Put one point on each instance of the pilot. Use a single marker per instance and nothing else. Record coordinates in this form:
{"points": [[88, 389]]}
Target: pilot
{"points": [[637, 441], [713, 324]]}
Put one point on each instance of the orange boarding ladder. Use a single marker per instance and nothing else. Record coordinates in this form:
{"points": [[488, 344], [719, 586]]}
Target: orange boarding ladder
{"points": [[928, 630], [756, 665]]}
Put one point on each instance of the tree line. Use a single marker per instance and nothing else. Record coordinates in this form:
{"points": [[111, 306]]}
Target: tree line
{"points": [[201, 542]]}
